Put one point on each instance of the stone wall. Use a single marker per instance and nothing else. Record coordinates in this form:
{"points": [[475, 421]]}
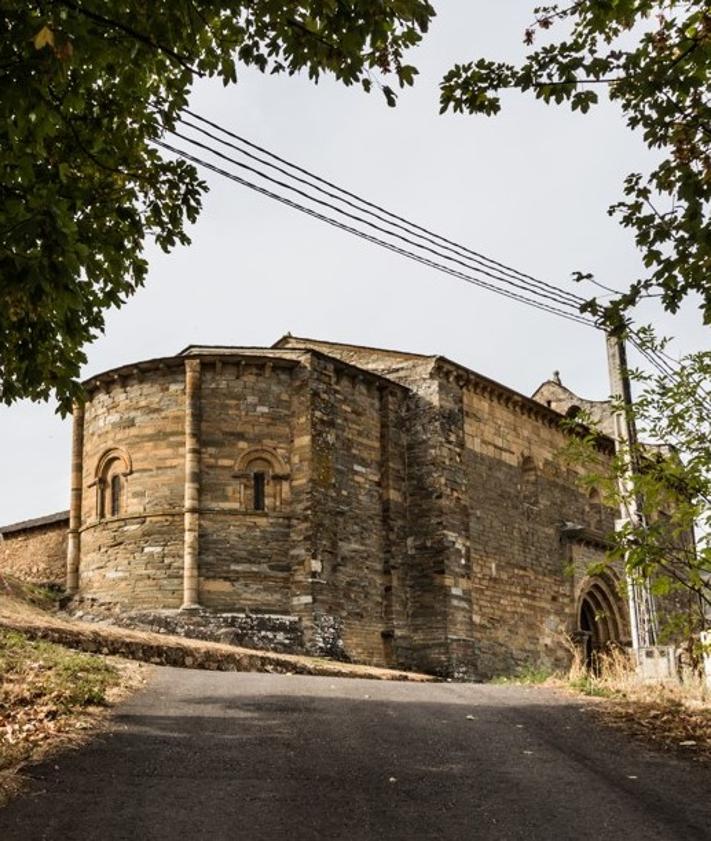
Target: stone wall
{"points": [[414, 509], [556, 396], [257, 630], [520, 494], [427, 594], [397, 596], [347, 513], [331, 547], [438, 564], [136, 558], [37, 554], [246, 413], [489, 586]]}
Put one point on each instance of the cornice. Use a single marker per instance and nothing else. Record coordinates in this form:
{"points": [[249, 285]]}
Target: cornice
{"points": [[490, 389]]}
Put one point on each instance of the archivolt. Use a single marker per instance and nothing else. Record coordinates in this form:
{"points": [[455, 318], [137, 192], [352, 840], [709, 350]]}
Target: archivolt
{"points": [[278, 468], [599, 608], [113, 454]]}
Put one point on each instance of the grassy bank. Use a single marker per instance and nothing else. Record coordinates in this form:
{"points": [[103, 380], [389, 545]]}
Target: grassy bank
{"points": [[49, 698], [671, 716]]}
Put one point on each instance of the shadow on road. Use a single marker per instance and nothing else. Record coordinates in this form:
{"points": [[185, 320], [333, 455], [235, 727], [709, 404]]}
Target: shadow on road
{"points": [[225, 756]]}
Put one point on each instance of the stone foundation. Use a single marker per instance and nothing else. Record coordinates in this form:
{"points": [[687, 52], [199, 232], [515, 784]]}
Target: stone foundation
{"points": [[262, 631]]}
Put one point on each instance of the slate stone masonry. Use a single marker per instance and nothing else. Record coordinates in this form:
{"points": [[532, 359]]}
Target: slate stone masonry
{"points": [[411, 512]]}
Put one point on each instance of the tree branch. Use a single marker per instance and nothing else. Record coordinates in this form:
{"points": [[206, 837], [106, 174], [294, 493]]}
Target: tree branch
{"points": [[109, 23]]}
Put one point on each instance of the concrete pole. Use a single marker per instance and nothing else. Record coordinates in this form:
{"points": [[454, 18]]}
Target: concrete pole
{"points": [[641, 605], [192, 484], [75, 495]]}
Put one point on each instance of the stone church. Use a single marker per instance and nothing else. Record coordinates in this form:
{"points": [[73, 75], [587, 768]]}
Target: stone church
{"points": [[386, 507]]}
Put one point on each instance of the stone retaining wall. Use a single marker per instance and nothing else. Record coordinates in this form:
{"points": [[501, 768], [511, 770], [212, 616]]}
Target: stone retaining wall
{"points": [[262, 631], [193, 655], [37, 554]]}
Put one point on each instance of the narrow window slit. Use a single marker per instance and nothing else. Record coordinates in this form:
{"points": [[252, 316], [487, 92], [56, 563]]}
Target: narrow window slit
{"points": [[115, 493], [259, 480]]}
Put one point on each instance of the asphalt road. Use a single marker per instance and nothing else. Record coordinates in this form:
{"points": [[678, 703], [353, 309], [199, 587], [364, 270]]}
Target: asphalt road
{"points": [[246, 757]]}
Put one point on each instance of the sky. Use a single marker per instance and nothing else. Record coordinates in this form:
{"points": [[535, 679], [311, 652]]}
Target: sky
{"points": [[529, 187]]}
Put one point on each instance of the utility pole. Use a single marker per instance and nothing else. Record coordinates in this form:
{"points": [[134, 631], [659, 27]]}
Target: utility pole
{"points": [[641, 603]]}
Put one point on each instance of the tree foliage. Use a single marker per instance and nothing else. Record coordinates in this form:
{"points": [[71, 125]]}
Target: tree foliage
{"points": [[654, 60], [670, 486], [85, 86]]}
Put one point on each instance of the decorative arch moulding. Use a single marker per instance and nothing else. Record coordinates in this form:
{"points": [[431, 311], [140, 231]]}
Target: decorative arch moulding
{"points": [[109, 455], [279, 469]]}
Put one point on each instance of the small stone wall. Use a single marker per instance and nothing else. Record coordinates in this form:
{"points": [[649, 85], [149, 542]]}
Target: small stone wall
{"points": [[37, 554], [261, 631], [172, 651]]}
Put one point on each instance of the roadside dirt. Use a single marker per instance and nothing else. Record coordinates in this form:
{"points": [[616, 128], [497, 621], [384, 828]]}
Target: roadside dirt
{"points": [[663, 722], [51, 699]]}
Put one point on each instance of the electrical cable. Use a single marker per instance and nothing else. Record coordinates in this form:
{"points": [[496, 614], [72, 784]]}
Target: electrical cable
{"points": [[655, 359], [361, 220], [477, 256], [370, 238]]}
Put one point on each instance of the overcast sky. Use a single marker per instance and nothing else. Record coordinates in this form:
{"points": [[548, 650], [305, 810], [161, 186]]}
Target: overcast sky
{"points": [[529, 187]]}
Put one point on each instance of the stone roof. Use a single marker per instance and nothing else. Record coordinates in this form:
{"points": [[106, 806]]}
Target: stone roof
{"points": [[532, 405], [37, 522], [282, 344]]}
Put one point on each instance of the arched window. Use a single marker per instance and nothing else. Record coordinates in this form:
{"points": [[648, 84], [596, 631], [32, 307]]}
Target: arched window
{"points": [[110, 477], [259, 486], [262, 481]]}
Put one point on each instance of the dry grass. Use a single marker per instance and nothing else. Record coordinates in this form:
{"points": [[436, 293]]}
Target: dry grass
{"points": [[50, 697], [670, 716]]}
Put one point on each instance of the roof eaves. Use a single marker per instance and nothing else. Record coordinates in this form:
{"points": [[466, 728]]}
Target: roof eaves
{"points": [[540, 409], [287, 336], [36, 522]]}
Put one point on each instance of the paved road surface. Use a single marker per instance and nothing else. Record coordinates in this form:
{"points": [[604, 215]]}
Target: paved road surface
{"points": [[254, 757]]}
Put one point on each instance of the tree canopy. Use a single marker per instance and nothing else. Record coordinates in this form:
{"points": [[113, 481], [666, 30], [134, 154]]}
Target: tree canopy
{"points": [[85, 87], [665, 538], [654, 60]]}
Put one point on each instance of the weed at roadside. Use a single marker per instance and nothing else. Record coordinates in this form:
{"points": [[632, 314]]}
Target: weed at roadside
{"points": [[529, 675]]}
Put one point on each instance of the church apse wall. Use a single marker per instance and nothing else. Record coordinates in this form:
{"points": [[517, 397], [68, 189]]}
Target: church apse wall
{"points": [[379, 506], [246, 436], [352, 477], [133, 488]]}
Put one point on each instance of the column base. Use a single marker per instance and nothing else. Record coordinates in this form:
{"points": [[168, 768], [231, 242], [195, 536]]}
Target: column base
{"points": [[190, 608]]}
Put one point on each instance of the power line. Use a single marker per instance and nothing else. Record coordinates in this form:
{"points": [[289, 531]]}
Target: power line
{"points": [[411, 226], [654, 358], [666, 366], [410, 242], [373, 239]]}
